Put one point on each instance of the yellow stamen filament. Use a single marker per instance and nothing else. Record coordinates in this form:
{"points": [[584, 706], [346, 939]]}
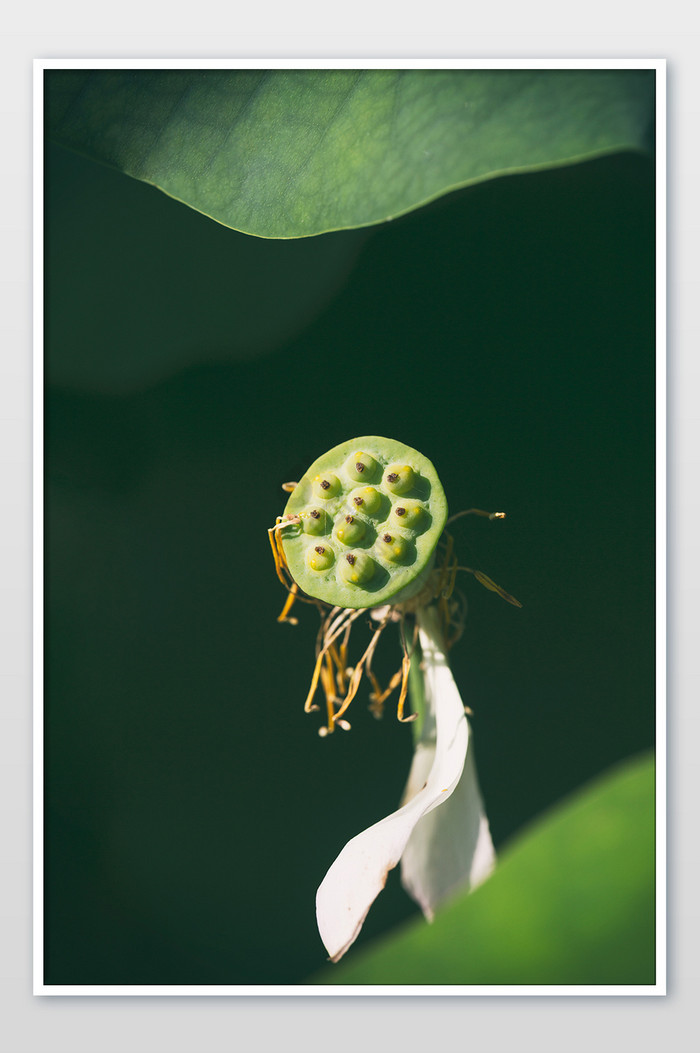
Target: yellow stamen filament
{"points": [[281, 567], [284, 615], [344, 655], [476, 512], [339, 668], [344, 619], [328, 689], [491, 585], [376, 696], [357, 671], [405, 666], [379, 697], [276, 555]]}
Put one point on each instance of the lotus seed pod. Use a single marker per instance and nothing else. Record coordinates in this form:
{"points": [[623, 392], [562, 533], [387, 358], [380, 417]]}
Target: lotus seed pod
{"points": [[358, 567], [392, 547], [367, 499], [399, 478], [315, 521], [350, 530], [361, 467], [320, 557], [408, 515], [326, 485]]}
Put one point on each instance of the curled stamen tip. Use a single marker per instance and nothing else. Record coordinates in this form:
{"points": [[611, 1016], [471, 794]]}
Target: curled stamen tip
{"points": [[344, 724], [409, 719], [312, 709], [322, 731], [497, 515]]}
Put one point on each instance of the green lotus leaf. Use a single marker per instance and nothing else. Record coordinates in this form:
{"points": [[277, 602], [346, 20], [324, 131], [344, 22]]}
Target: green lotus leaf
{"points": [[572, 902], [292, 153]]}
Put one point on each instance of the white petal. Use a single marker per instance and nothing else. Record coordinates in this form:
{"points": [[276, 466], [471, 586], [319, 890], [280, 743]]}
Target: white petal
{"points": [[359, 873], [450, 849]]}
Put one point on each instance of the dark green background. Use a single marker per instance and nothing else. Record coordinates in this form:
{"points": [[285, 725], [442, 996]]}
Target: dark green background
{"points": [[506, 331]]}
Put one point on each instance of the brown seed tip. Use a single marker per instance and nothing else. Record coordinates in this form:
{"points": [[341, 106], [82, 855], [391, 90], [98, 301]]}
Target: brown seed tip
{"points": [[359, 466], [349, 519], [388, 538], [315, 514], [401, 511], [391, 477], [351, 559], [358, 501], [320, 549], [325, 485]]}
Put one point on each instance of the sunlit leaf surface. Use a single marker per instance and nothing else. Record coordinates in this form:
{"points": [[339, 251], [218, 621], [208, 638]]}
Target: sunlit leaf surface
{"points": [[571, 903], [289, 153]]}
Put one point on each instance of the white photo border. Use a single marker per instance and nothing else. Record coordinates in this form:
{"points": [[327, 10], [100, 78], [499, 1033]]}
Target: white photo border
{"points": [[40, 988]]}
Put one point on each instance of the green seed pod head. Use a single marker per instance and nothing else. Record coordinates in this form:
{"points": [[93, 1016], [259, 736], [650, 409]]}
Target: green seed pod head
{"points": [[358, 567]]}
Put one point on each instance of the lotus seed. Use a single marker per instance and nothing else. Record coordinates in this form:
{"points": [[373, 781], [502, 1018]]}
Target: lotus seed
{"points": [[326, 486], [409, 515], [399, 478], [361, 466], [315, 521], [368, 499], [357, 568], [350, 530], [320, 557], [392, 547]]}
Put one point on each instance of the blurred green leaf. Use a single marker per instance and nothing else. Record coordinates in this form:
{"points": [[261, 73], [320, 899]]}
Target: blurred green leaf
{"points": [[139, 287], [291, 153], [572, 902]]}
